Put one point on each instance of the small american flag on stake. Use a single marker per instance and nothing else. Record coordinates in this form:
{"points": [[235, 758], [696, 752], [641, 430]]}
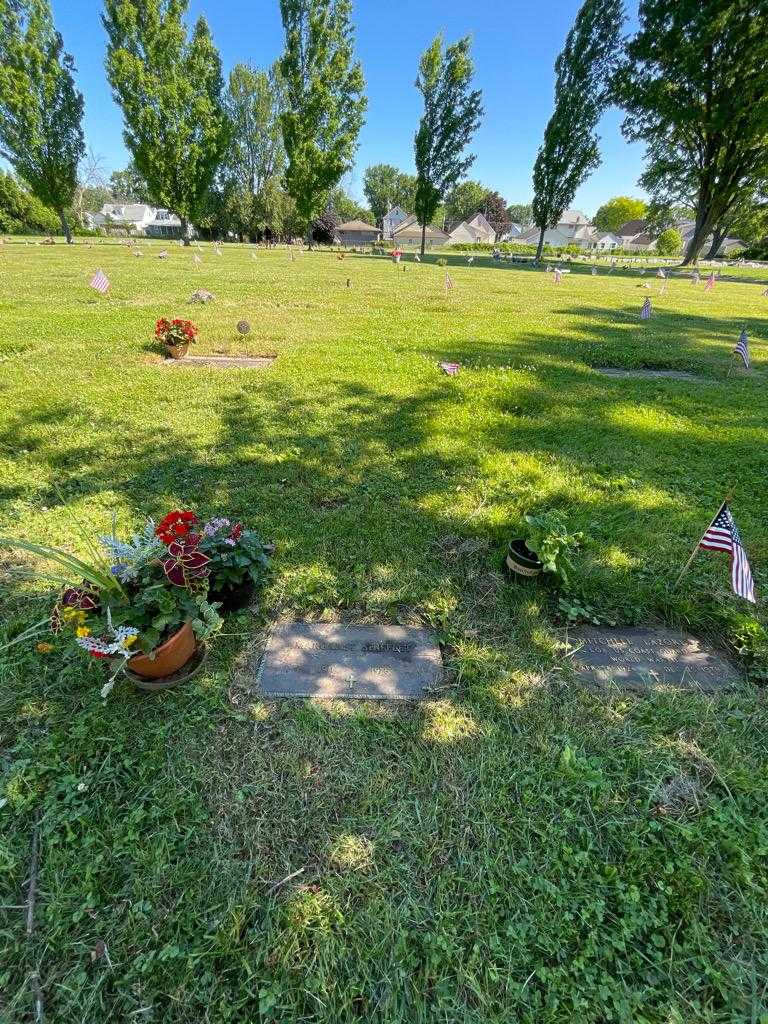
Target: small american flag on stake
{"points": [[742, 347], [723, 535], [448, 283], [645, 312], [710, 283], [450, 368], [100, 282], [417, 257], [558, 275]]}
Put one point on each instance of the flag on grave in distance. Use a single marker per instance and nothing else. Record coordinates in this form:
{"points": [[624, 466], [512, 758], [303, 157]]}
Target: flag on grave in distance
{"points": [[645, 312], [722, 535], [417, 257], [448, 283], [742, 347], [710, 283], [660, 273], [196, 259], [695, 277], [450, 368], [558, 275], [594, 271], [100, 282]]}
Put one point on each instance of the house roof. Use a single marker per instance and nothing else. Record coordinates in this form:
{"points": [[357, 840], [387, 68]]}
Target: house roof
{"points": [[632, 227], [410, 227], [643, 238], [355, 225], [573, 217]]}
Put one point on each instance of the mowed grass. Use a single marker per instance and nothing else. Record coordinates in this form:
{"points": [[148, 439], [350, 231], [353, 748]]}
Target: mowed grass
{"points": [[520, 849]]}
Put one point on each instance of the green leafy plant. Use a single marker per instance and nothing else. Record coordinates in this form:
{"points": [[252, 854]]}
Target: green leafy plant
{"points": [[553, 542]]}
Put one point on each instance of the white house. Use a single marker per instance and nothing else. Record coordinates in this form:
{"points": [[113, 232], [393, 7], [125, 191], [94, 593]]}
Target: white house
{"points": [[392, 221], [409, 233], [137, 219], [476, 230]]}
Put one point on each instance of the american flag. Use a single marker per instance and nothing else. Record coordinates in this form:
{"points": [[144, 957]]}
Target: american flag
{"points": [[450, 368], [100, 282], [695, 277], [710, 283], [448, 283], [594, 271], [645, 312], [742, 347], [660, 273], [722, 535], [196, 259], [558, 275], [417, 257]]}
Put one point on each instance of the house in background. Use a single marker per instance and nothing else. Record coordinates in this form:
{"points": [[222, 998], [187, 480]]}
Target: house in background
{"points": [[476, 230], [512, 232], [392, 220], [137, 219], [356, 232], [409, 233]]}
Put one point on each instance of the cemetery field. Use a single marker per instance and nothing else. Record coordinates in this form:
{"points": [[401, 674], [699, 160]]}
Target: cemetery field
{"points": [[522, 848]]}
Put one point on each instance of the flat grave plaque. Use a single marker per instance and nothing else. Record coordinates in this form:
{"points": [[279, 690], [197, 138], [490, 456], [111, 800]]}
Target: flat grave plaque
{"points": [[643, 374], [638, 659], [365, 662], [223, 362]]}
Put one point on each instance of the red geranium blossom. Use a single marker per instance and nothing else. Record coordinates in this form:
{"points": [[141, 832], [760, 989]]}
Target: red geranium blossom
{"points": [[175, 526]]}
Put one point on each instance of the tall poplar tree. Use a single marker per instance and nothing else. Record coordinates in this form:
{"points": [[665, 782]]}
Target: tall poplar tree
{"points": [[452, 113], [694, 85], [170, 91], [325, 101], [41, 111], [570, 150]]}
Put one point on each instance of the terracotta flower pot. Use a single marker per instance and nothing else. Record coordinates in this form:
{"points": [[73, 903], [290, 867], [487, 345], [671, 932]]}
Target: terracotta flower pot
{"points": [[176, 351], [168, 658]]}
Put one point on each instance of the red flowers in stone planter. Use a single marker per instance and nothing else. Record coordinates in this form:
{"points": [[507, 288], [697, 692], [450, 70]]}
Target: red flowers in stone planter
{"points": [[175, 335]]}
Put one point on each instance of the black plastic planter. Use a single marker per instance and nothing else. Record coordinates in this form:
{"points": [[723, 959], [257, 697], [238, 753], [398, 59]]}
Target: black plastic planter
{"points": [[521, 561], [232, 599]]}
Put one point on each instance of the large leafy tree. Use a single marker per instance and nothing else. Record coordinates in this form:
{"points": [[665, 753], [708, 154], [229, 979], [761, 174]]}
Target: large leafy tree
{"points": [[520, 213], [41, 111], [170, 89], [618, 211], [384, 186], [570, 151], [464, 201], [452, 113], [325, 100], [255, 161], [128, 186], [694, 85], [495, 211]]}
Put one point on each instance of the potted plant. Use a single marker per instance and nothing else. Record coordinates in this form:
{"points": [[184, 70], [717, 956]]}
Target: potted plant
{"points": [[238, 561], [140, 602], [547, 549], [175, 336]]}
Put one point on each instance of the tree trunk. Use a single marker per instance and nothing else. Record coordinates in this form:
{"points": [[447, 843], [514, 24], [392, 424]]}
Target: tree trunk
{"points": [[717, 240], [185, 230], [65, 226], [540, 248], [423, 238], [705, 220]]}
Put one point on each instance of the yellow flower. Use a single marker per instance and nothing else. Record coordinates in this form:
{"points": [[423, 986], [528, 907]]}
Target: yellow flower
{"points": [[129, 640], [83, 631], [44, 648], [73, 616]]}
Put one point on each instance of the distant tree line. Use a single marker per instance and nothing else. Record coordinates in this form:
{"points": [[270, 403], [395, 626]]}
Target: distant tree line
{"points": [[265, 153]]}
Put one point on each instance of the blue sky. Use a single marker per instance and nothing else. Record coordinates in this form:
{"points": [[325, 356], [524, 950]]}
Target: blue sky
{"points": [[515, 43]]}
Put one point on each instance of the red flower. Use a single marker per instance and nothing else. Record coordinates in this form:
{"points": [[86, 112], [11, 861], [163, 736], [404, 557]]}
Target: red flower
{"points": [[187, 562], [236, 533], [175, 525]]}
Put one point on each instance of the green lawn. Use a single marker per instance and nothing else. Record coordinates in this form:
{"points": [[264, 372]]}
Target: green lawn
{"points": [[521, 849]]}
